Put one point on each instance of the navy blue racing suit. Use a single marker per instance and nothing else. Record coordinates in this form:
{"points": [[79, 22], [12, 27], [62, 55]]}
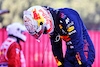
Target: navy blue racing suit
{"points": [[68, 25]]}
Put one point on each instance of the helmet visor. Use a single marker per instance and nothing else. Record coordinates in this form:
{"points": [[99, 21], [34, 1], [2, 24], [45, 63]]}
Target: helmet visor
{"points": [[37, 34]]}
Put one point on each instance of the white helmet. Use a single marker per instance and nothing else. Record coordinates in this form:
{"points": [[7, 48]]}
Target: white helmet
{"points": [[15, 29], [37, 19]]}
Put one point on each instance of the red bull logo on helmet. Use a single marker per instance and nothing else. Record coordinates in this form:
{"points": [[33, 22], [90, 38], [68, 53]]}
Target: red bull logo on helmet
{"points": [[37, 17]]}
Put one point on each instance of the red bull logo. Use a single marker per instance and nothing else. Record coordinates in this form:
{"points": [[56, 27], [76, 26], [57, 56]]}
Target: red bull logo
{"points": [[65, 38], [37, 17]]}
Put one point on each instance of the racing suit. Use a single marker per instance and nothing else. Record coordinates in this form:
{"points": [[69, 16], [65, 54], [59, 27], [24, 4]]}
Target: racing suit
{"points": [[11, 54], [68, 25]]}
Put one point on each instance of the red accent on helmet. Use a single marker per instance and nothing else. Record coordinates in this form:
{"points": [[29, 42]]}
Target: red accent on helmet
{"points": [[36, 15]]}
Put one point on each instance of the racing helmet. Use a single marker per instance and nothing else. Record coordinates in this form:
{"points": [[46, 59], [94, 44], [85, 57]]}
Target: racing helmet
{"points": [[15, 29], [38, 20]]}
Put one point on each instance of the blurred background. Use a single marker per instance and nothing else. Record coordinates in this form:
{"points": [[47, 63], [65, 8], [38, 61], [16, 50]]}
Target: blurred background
{"points": [[89, 10], [36, 52]]}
